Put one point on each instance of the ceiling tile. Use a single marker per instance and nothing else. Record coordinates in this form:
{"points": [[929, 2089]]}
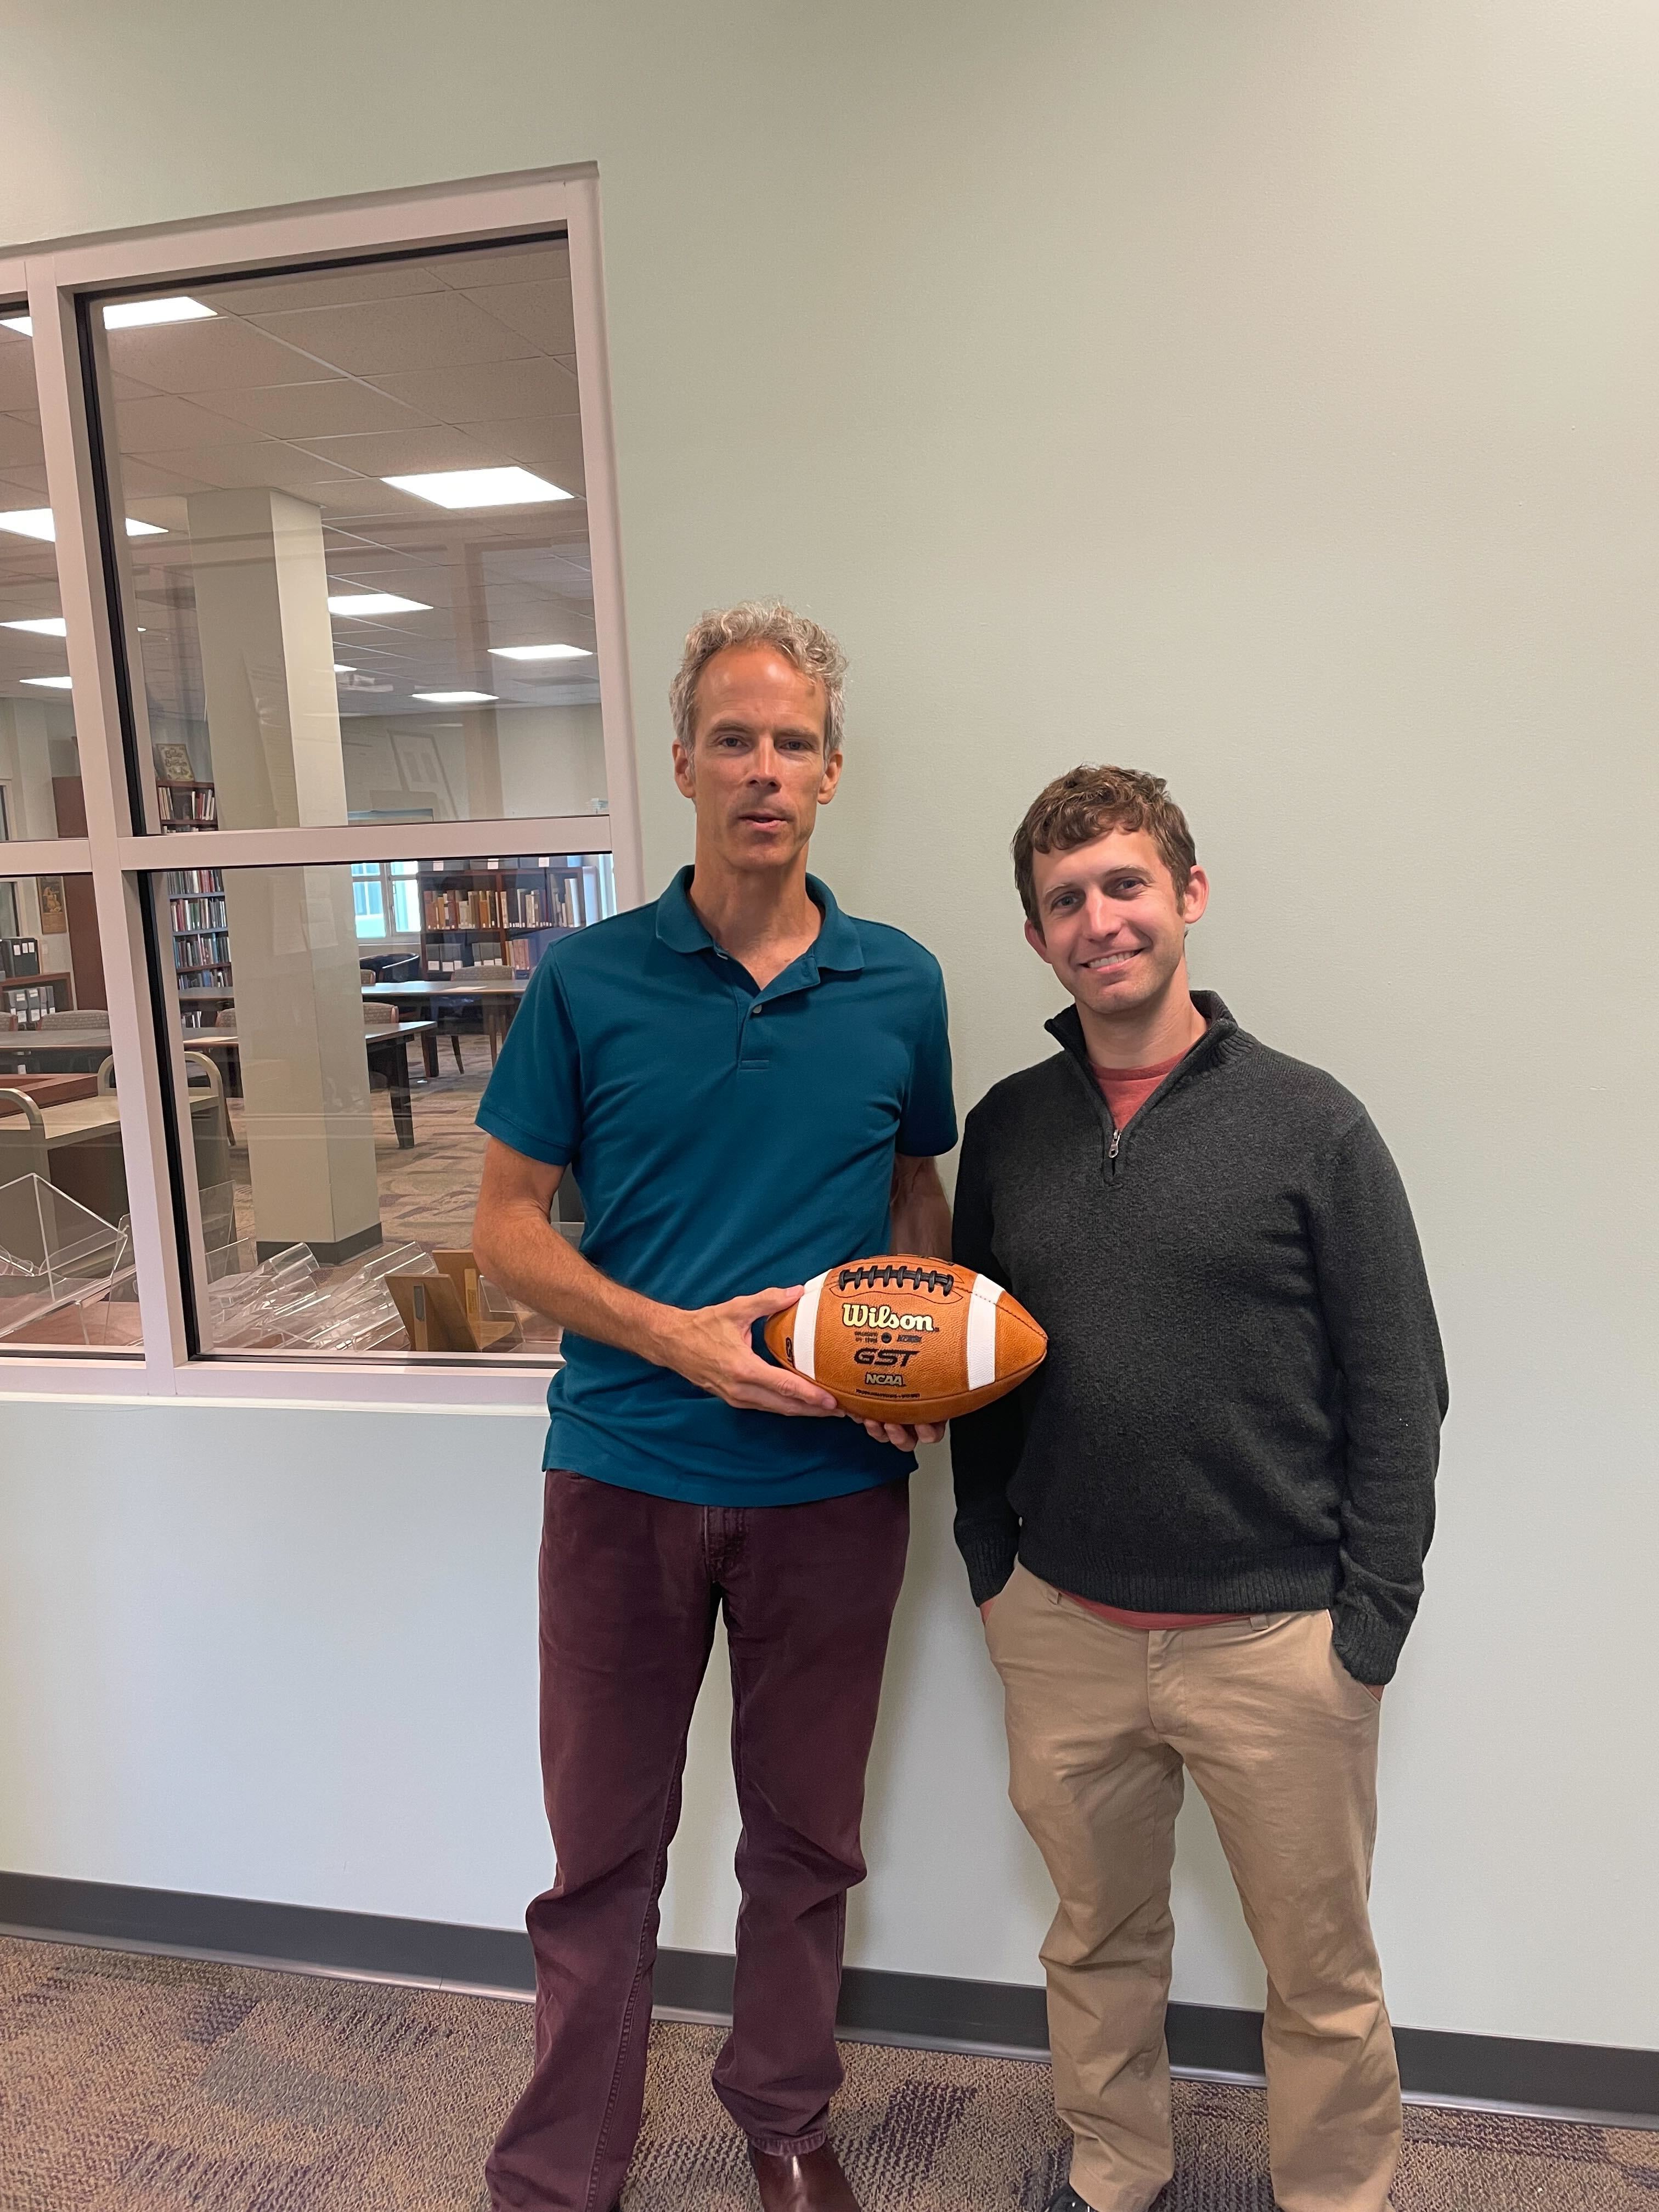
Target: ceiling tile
{"points": [[20, 440], [549, 445], [16, 371], [267, 462], [434, 331], [216, 356], [164, 423], [546, 262], [409, 453], [491, 392], [333, 407], [540, 312], [270, 295], [27, 482], [142, 482]]}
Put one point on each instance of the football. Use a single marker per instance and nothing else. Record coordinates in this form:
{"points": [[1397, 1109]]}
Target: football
{"points": [[900, 1338]]}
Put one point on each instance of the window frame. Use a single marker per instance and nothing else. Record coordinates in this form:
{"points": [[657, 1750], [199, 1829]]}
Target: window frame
{"points": [[118, 852]]}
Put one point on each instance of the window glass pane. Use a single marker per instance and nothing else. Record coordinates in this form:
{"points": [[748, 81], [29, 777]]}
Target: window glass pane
{"points": [[66, 1272], [39, 767], [352, 1074], [371, 906], [364, 584]]}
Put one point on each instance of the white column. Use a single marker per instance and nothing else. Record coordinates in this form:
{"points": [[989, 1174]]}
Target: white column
{"points": [[267, 659], [305, 1074], [268, 673], [34, 814]]}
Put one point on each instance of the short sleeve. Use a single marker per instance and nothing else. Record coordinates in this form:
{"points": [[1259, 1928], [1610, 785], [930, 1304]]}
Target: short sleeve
{"points": [[927, 1124], [532, 1101]]}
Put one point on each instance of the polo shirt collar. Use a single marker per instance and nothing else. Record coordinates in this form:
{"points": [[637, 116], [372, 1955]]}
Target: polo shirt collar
{"points": [[837, 946]]}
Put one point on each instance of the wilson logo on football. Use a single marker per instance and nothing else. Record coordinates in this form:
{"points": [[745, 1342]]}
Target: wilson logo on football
{"points": [[884, 1317]]}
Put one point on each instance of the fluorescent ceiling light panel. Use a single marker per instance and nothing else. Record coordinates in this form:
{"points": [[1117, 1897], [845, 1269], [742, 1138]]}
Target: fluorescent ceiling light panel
{"points": [[479, 488], [364, 604], [340, 669], [129, 315], [41, 625], [456, 698], [134, 314], [50, 683], [37, 522], [541, 652]]}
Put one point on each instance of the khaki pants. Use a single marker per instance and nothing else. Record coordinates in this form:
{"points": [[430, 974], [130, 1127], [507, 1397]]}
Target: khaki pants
{"points": [[1282, 1741]]}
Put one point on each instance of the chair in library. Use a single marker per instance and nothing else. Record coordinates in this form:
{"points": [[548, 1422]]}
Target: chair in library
{"points": [[209, 1128], [497, 1011], [451, 1016]]}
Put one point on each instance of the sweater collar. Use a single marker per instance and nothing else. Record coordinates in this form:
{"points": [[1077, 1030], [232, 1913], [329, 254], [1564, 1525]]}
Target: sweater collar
{"points": [[1067, 1029]]}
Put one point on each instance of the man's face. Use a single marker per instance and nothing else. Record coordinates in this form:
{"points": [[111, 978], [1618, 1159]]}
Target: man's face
{"points": [[1113, 929], [756, 771]]}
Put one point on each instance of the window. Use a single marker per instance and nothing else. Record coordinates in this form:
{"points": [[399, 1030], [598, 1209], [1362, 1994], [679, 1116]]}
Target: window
{"points": [[360, 514], [331, 497], [68, 1280], [387, 899]]}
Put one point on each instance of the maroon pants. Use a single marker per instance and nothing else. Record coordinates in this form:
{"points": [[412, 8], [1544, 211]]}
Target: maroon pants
{"points": [[630, 1585]]}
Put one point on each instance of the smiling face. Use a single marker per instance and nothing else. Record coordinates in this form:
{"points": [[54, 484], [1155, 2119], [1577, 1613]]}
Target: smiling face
{"points": [[1112, 928], [756, 771]]}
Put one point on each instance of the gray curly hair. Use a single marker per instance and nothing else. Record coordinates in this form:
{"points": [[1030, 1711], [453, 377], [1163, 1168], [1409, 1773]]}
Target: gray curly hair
{"points": [[760, 621]]}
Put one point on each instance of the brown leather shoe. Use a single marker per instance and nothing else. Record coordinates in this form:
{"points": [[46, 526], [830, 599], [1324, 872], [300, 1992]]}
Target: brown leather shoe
{"points": [[812, 2183]]}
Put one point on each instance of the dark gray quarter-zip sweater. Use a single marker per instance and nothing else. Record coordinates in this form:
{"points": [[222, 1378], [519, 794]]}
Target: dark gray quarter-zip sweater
{"points": [[1239, 1411]]}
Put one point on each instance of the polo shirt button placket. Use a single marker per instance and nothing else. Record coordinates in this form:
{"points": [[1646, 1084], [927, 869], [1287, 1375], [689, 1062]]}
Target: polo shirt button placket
{"points": [[752, 1057]]}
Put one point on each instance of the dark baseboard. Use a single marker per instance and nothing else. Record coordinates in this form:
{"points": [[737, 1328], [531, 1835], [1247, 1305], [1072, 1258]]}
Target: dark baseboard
{"points": [[929, 2010]]}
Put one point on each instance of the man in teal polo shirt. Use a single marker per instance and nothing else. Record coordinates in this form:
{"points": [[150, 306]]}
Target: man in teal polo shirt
{"points": [[748, 1086]]}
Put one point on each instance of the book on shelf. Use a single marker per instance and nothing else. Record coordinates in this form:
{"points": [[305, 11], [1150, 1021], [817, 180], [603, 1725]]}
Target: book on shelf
{"points": [[195, 883], [201, 949], [173, 765], [552, 907], [198, 914], [188, 806]]}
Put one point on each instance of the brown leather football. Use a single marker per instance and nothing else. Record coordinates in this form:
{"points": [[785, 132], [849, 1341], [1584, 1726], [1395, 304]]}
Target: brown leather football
{"points": [[900, 1338]]}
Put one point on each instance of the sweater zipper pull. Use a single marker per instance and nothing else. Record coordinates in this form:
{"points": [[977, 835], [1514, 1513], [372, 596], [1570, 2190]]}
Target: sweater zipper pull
{"points": [[1111, 1149]]}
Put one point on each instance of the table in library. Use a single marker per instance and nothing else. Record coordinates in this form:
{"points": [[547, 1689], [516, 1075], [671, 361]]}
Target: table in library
{"points": [[21, 1050], [499, 996], [388, 1055]]}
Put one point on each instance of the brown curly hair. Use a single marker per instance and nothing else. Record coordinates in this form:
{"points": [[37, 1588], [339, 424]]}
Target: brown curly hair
{"points": [[1084, 804]]}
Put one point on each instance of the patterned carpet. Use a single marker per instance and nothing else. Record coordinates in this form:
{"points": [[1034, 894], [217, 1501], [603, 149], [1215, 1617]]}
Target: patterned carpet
{"points": [[138, 2084]]}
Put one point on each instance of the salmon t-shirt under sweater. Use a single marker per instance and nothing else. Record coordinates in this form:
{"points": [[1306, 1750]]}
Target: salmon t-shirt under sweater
{"points": [[1126, 1091]]}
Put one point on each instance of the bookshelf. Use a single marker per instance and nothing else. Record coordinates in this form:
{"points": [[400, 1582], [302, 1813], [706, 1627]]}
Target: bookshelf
{"points": [[201, 941], [187, 805], [26, 998], [504, 914]]}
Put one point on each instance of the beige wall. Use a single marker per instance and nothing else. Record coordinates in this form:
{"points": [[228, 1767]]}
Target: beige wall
{"points": [[551, 761], [1260, 394]]}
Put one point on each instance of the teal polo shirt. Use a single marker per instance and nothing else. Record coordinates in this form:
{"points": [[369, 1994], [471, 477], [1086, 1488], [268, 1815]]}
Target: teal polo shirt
{"points": [[725, 1139]]}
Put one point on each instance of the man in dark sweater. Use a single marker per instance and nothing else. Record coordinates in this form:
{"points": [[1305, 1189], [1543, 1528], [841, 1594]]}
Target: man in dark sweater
{"points": [[1197, 1535]]}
